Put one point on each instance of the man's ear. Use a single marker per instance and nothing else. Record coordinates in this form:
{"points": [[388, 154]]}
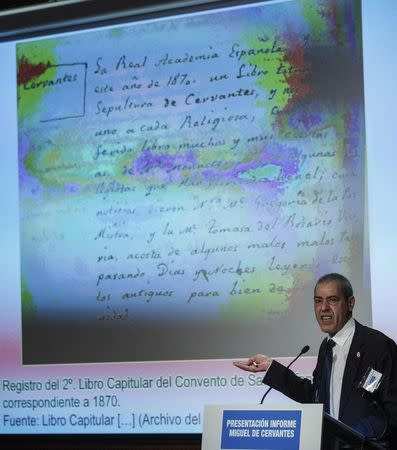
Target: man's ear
{"points": [[350, 303]]}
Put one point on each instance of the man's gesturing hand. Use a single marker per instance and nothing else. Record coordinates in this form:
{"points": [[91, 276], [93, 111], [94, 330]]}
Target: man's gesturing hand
{"points": [[257, 363]]}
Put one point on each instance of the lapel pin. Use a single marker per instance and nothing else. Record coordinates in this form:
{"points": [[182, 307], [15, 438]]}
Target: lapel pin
{"points": [[358, 354]]}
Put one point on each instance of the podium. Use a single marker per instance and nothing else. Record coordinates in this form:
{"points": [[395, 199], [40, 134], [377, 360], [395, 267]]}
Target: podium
{"points": [[278, 427], [255, 427], [337, 436]]}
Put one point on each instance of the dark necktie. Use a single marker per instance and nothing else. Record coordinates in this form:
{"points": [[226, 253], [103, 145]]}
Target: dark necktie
{"points": [[323, 396]]}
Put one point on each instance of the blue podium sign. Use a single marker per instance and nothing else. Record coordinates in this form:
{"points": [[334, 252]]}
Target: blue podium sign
{"points": [[260, 427], [263, 429]]}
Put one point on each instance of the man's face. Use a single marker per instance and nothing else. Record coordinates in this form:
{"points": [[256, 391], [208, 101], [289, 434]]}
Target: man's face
{"points": [[331, 308]]}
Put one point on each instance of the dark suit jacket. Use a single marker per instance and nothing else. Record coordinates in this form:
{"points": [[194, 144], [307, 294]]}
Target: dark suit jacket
{"points": [[369, 348]]}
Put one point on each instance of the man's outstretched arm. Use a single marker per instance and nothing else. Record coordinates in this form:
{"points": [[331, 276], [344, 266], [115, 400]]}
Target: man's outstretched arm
{"points": [[280, 378]]}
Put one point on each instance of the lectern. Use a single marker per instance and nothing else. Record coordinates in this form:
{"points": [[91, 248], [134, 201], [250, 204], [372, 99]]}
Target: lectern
{"points": [[278, 427]]}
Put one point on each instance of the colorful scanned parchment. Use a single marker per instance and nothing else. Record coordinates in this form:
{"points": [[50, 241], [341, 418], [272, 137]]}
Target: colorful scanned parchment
{"points": [[184, 181]]}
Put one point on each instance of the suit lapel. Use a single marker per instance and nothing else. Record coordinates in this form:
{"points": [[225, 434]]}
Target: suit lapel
{"points": [[353, 363], [318, 371]]}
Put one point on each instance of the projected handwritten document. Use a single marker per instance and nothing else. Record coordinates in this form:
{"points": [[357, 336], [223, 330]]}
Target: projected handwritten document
{"points": [[183, 181]]}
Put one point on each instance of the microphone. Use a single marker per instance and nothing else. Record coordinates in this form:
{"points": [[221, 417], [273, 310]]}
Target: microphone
{"points": [[304, 350]]}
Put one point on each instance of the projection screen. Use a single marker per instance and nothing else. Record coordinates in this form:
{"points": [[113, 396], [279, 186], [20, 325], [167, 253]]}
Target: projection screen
{"points": [[173, 187]]}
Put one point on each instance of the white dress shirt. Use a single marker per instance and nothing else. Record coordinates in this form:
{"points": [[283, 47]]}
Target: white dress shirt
{"points": [[343, 340]]}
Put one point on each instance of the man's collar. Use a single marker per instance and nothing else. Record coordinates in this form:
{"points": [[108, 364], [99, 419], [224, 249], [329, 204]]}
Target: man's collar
{"points": [[343, 335]]}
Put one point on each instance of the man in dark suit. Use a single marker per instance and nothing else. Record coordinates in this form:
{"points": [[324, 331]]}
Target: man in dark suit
{"points": [[351, 349]]}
